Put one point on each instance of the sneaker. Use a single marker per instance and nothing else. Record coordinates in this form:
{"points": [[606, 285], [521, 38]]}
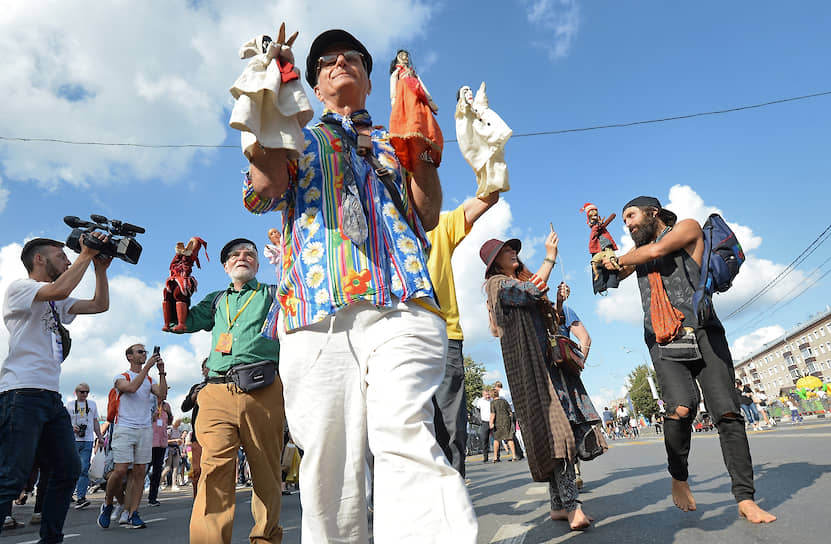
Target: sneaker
{"points": [[154, 503], [81, 503], [117, 512], [135, 522], [104, 516], [174, 487], [35, 520], [124, 518], [11, 523]]}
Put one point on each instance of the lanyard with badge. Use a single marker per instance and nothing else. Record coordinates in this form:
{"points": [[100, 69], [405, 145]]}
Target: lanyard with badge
{"points": [[226, 339]]}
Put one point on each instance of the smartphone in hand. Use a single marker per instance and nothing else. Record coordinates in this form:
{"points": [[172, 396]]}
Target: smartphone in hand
{"points": [[156, 350]]}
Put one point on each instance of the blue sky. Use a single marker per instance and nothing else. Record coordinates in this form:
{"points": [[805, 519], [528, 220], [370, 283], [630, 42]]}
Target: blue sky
{"points": [[159, 72]]}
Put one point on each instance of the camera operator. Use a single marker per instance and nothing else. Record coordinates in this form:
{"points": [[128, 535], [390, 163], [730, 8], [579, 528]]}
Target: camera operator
{"points": [[84, 416], [34, 311]]}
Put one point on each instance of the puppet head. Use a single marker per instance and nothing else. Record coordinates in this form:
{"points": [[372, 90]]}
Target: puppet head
{"points": [[592, 215], [402, 58], [274, 236]]}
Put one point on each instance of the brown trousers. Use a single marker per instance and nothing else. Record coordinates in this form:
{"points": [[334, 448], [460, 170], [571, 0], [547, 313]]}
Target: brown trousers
{"points": [[228, 420]]}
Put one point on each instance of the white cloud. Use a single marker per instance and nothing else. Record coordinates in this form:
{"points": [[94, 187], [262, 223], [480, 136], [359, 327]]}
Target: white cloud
{"points": [[559, 20], [491, 376], [623, 304], [750, 343], [147, 72], [4, 195], [99, 341]]}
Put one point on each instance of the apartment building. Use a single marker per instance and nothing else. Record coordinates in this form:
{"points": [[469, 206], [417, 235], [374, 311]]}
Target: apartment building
{"points": [[803, 351]]}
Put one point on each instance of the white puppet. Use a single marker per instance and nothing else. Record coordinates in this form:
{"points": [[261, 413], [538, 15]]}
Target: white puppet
{"points": [[271, 106], [482, 136]]}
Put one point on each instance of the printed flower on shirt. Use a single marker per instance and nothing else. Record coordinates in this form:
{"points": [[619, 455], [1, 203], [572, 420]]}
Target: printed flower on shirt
{"points": [[322, 296], [315, 276], [412, 264], [306, 160], [390, 210], [307, 178], [395, 283], [422, 284], [357, 283], [320, 315], [312, 195], [313, 252], [399, 227], [309, 217], [407, 246], [289, 302]]}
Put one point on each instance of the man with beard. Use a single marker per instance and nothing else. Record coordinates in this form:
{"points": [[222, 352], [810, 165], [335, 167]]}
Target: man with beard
{"points": [[667, 260], [232, 414], [33, 419]]}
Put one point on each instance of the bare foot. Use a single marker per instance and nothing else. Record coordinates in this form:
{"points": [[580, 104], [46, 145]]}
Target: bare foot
{"points": [[578, 521], [557, 515], [750, 510], [682, 496], [563, 515]]}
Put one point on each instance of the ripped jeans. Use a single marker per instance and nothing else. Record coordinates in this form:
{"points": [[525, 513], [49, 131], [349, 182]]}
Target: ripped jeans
{"points": [[715, 375]]}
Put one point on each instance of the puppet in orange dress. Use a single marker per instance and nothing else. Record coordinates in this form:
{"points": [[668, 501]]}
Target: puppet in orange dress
{"points": [[414, 131], [181, 285]]}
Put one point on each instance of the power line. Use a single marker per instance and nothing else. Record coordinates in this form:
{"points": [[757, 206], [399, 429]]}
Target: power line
{"points": [[818, 241], [524, 135]]}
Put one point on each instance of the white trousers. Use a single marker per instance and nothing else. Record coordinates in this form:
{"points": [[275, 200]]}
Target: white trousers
{"points": [[363, 380]]}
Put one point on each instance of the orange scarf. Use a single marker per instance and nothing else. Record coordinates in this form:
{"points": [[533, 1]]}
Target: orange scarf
{"points": [[666, 319]]}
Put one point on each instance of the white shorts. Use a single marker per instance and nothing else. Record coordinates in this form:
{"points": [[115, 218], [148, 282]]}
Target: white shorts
{"points": [[132, 445]]}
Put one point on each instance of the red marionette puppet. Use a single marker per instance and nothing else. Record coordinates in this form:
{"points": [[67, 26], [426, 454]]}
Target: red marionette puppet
{"points": [[601, 244], [181, 285]]}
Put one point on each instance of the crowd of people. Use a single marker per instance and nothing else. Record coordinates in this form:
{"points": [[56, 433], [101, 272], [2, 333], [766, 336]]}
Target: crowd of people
{"points": [[364, 328]]}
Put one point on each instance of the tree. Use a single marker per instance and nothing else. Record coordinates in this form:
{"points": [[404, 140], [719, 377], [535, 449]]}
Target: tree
{"points": [[474, 380], [640, 392]]}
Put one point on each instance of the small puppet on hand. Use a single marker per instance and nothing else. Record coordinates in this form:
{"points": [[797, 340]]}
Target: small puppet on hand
{"points": [[414, 131], [482, 136], [271, 106], [180, 286], [601, 244]]}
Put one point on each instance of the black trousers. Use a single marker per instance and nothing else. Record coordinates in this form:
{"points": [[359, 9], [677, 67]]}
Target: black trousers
{"points": [[715, 375], [450, 417], [485, 437], [156, 473]]}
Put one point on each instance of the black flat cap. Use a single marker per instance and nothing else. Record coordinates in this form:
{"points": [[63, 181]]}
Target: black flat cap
{"points": [[328, 39], [226, 249]]}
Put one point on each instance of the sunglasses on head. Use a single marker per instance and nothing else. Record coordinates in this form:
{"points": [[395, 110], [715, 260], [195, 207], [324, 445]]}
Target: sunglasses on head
{"points": [[351, 57]]}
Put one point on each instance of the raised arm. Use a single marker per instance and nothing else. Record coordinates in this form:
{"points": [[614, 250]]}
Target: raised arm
{"points": [[269, 171], [100, 302], [475, 207], [425, 189], [62, 287]]}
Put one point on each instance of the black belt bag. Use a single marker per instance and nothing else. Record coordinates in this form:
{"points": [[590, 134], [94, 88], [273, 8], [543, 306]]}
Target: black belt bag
{"points": [[249, 377]]}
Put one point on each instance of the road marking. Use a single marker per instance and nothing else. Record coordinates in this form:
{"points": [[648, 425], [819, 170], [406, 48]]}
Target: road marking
{"points": [[36, 541], [537, 490], [511, 534], [520, 504], [154, 520]]}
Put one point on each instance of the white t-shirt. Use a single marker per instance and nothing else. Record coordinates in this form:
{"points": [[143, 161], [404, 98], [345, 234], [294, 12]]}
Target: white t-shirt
{"points": [[507, 396], [484, 407], [87, 414], [35, 352], [134, 408]]}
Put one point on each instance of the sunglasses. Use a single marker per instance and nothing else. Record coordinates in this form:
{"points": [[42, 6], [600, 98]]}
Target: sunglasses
{"points": [[351, 57], [139, 351], [84, 392]]}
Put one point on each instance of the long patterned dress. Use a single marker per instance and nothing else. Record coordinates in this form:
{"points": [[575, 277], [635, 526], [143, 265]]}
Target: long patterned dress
{"points": [[551, 405]]}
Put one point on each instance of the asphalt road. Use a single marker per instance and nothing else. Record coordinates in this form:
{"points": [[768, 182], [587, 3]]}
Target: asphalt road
{"points": [[626, 491]]}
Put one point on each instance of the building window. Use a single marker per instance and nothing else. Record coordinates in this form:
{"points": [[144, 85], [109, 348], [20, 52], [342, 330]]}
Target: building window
{"points": [[811, 367], [770, 372], [821, 332], [781, 381], [807, 352], [789, 361], [795, 374]]}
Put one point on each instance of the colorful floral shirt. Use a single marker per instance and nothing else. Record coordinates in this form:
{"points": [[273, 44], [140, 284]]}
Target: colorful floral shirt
{"points": [[323, 270]]}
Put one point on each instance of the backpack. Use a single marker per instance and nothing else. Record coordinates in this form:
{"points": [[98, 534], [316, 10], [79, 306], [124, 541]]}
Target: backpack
{"points": [[720, 263], [114, 399]]}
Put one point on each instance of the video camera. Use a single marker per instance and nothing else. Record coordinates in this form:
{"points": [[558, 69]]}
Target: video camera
{"points": [[125, 248]]}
